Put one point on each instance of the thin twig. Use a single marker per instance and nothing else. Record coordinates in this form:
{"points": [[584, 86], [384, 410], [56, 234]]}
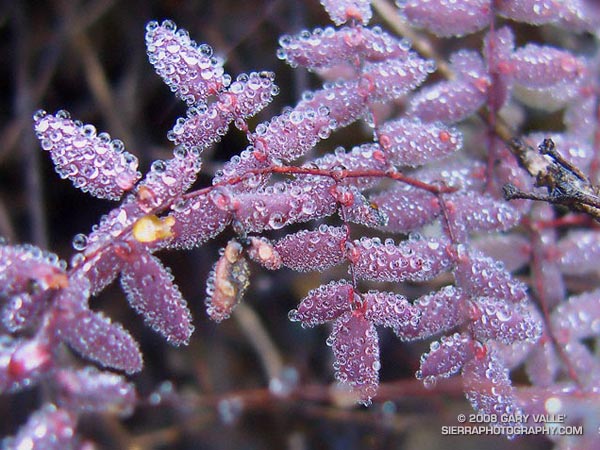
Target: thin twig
{"points": [[7, 230], [256, 333], [23, 107], [100, 86], [11, 134]]}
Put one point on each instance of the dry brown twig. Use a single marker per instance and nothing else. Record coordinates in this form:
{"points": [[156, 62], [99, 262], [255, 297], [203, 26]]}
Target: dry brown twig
{"points": [[566, 184]]}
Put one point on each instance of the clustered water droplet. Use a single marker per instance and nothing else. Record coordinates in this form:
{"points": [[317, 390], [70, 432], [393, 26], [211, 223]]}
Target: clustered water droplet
{"points": [[317, 250], [92, 161], [341, 12], [411, 142], [412, 260], [190, 70], [329, 46]]}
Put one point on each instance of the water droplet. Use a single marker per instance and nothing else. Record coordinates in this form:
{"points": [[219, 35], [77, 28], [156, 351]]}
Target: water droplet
{"points": [[429, 382], [158, 166], [39, 114], [276, 221], [285, 383], [151, 26], [80, 242], [230, 409]]}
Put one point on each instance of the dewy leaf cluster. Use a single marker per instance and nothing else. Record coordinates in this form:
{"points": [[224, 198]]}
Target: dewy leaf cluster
{"points": [[420, 204]]}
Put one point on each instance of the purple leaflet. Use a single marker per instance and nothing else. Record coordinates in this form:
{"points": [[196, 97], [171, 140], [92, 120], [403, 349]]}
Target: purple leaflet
{"points": [[343, 100], [23, 362], [536, 12], [410, 142], [58, 426], [487, 385], [573, 15], [241, 167], [504, 322], [202, 127], [197, 220], [151, 292], [342, 11], [189, 69], [579, 125], [512, 355], [470, 211], [447, 18], [580, 15], [28, 275], [388, 309], [578, 317], [284, 203], [247, 95], [326, 47], [104, 266], [169, 179], [514, 250], [584, 363], [362, 157], [205, 125], [537, 66], [393, 79], [579, 252], [543, 364], [323, 304], [406, 208], [356, 208], [411, 260], [439, 311], [94, 336], [453, 101], [26, 267], [455, 172], [448, 101], [355, 347], [485, 277], [318, 250], [446, 357], [93, 162], [90, 390], [21, 311], [469, 65], [293, 133]]}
